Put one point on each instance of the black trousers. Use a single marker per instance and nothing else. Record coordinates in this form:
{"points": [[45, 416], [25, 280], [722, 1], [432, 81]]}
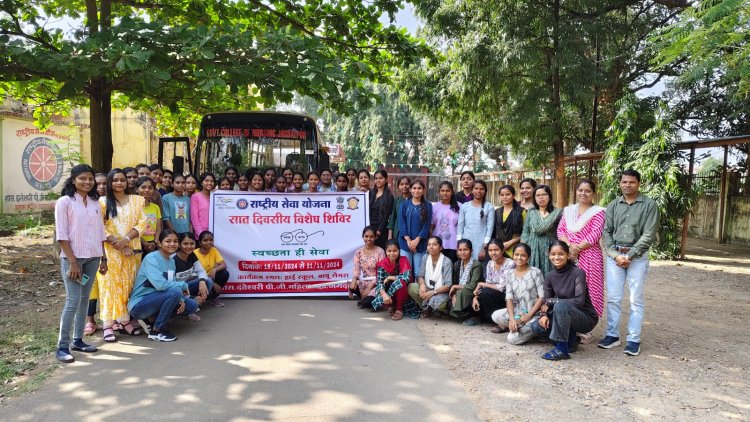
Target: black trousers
{"points": [[490, 300]]}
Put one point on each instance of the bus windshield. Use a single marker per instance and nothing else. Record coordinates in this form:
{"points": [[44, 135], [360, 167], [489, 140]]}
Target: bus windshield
{"points": [[264, 139]]}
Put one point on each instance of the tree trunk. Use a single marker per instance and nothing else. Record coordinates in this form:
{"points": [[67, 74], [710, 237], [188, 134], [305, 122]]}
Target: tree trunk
{"points": [[558, 141], [100, 110]]}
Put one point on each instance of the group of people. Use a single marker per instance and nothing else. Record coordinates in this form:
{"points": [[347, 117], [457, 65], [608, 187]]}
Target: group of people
{"points": [[534, 270], [135, 243], [130, 251]]}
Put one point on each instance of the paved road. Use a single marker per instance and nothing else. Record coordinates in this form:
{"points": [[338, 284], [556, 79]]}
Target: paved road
{"points": [[272, 359]]}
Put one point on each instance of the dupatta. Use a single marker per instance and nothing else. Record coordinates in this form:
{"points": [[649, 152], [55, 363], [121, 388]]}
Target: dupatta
{"points": [[392, 269]]}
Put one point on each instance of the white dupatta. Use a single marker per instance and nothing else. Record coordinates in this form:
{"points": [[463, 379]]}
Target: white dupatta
{"points": [[433, 276], [575, 223]]}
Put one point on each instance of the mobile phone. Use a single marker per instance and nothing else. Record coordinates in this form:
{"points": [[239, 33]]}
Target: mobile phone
{"points": [[84, 279]]}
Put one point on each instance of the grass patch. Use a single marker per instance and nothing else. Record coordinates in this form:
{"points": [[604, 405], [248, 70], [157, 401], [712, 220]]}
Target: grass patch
{"points": [[26, 224], [20, 353]]}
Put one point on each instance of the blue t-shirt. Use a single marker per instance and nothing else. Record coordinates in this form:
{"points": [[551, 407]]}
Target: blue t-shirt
{"points": [[177, 211]]}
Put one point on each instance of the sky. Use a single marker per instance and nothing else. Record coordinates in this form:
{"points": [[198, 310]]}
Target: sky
{"points": [[405, 18]]}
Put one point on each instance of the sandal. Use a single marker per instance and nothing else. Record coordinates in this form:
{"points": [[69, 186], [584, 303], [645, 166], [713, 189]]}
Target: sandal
{"points": [[131, 329], [397, 316], [90, 328], [117, 326], [555, 354], [109, 335], [498, 330], [391, 310]]}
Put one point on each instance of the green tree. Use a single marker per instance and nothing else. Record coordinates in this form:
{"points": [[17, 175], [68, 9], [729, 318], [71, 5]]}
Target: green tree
{"points": [[527, 74], [381, 131], [710, 46], [181, 59], [652, 152]]}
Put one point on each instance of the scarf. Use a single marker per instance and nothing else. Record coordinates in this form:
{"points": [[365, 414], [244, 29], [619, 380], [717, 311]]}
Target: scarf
{"points": [[390, 267], [433, 276], [513, 225], [575, 223], [548, 223], [465, 272]]}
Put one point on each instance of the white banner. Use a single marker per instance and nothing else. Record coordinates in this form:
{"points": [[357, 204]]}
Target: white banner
{"points": [[288, 244]]}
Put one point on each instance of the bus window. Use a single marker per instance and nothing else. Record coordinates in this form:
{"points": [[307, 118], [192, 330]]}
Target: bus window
{"points": [[257, 139]]}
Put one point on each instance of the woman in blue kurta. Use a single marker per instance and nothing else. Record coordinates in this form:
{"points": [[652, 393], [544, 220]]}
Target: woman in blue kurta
{"points": [[476, 220], [414, 225]]}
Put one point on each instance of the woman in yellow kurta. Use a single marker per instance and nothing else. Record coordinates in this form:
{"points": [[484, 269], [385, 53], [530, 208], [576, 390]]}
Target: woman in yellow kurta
{"points": [[123, 222]]}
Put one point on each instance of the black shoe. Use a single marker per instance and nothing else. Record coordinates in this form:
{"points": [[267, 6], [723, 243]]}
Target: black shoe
{"points": [[80, 346]]}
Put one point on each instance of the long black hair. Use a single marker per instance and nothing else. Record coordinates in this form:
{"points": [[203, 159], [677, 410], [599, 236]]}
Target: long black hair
{"points": [[111, 201], [422, 204], [69, 187], [512, 191], [545, 188], [203, 177], [484, 198], [453, 203]]}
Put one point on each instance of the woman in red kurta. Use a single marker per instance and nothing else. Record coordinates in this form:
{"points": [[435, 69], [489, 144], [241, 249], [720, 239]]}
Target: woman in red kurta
{"points": [[581, 227]]}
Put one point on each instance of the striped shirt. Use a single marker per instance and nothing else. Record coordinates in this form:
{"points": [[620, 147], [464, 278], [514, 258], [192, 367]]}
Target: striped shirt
{"points": [[81, 225]]}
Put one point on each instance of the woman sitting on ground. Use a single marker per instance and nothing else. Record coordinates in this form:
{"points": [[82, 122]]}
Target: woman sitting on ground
{"points": [[524, 297], [366, 259], [489, 296], [156, 295], [567, 308], [434, 280], [467, 272], [214, 265], [391, 290], [191, 271]]}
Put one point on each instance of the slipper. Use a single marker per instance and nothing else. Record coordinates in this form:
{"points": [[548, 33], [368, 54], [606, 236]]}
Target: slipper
{"points": [[391, 310], [90, 328], [555, 354], [498, 330], [116, 326], [397, 316], [109, 335], [131, 329]]}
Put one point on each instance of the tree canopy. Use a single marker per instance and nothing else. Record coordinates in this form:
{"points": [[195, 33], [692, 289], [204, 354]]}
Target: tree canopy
{"points": [[530, 73], [181, 59]]}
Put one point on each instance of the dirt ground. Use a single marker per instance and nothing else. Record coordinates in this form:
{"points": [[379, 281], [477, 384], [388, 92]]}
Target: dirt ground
{"points": [[693, 364]]}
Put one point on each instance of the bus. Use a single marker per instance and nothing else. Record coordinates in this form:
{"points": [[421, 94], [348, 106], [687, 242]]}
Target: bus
{"points": [[257, 139]]}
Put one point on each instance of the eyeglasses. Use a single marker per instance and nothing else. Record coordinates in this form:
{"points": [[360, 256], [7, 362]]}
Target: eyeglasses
{"points": [[541, 195]]}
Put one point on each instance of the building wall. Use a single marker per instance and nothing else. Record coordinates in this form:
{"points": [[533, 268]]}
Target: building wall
{"points": [[35, 163], [738, 223]]}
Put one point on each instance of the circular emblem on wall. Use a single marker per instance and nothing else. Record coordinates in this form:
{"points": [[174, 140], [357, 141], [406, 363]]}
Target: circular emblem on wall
{"points": [[42, 163]]}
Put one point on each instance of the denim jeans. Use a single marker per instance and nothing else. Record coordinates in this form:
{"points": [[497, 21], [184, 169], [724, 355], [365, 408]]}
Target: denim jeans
{"points": [[415, 259], [163, 304], [76, 300], [194, 284], [565, 321], [635, 275]]}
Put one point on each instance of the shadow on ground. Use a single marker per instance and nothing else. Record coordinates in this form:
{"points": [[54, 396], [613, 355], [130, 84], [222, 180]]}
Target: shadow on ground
{"points": [[259, 360]]}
